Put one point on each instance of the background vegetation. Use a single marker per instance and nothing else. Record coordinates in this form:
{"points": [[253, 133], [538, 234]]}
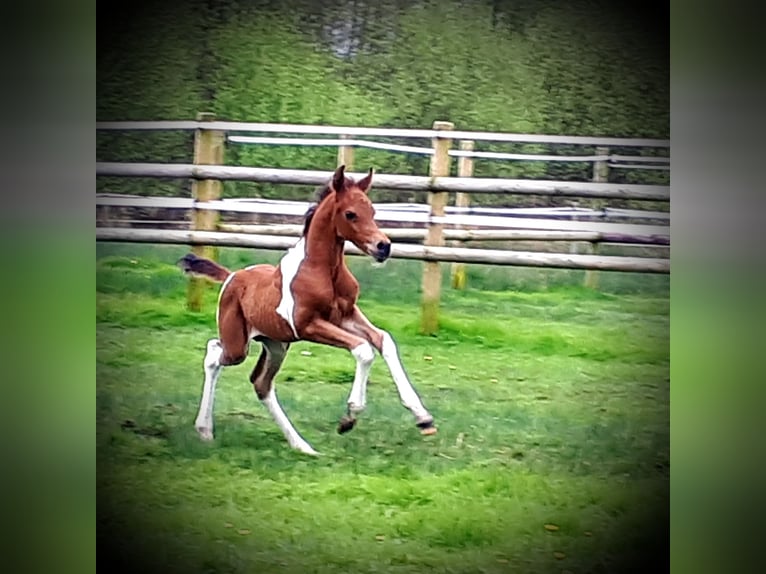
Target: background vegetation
{"points": [[588, 67]]}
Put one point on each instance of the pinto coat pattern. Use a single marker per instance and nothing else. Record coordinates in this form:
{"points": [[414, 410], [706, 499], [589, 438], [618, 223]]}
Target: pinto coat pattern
{"points": [[311, 296]]}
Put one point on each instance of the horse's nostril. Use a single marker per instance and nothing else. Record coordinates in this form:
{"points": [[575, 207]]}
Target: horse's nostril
{"points": [[384, 247]]}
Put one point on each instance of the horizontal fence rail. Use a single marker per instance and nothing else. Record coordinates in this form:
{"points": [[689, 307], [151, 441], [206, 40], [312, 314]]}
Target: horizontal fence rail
{"points": [[640, 162], [384, 132], [412, 233], [294, 206], [633, 233], [386, 181], [401, 251], [331, 143]]}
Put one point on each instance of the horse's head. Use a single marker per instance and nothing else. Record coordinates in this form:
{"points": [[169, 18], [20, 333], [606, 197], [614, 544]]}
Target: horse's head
{"points": [[355, 216]]}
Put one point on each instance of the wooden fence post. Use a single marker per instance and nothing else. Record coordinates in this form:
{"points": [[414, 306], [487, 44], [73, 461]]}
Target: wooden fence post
{"points": [[346, 155], [601, 167], [600, 175], [208, 150], [432, 275], [464, 169]]}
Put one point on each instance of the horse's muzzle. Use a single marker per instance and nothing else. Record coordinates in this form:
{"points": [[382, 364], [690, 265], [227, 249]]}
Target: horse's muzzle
{"points": [[381, 251]]}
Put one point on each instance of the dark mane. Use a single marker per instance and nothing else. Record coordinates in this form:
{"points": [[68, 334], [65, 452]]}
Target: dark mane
{"points": [[321, 193]]}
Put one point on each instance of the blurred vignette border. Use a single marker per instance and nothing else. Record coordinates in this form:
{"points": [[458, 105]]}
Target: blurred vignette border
{"points": [[717, 287], [49, 336]]}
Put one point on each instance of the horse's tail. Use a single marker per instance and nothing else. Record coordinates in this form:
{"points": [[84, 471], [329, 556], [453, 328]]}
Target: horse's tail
{"points": [[193, 265]]}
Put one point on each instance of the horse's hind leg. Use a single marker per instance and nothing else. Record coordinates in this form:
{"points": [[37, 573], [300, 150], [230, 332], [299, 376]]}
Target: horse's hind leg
{"points": [[262, 377], [230, 349], [212, 366]]}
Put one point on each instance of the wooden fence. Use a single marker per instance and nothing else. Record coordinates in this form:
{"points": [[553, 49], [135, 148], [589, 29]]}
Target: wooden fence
{"points": [[432, 184], [441, 223]]}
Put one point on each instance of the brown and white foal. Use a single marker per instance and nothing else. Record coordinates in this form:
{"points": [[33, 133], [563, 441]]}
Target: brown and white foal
{"points": [[311, 296]]}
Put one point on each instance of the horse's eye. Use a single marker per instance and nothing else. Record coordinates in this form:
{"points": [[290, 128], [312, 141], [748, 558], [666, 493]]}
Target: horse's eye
{"points": [[350, 215]]}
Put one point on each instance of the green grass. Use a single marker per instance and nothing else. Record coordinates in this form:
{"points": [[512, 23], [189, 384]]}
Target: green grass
{"points": [[552, 407]]}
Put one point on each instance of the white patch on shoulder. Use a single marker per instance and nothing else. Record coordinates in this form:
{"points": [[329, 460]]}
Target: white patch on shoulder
{"points": [[289, 266], [220, 294]]}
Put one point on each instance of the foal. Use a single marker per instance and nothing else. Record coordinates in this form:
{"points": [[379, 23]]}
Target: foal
{"points": [[311, 296]]}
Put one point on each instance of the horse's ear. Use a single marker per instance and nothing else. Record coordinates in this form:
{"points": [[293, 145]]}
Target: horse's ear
{"points": [[338, 179], [366, 183]]}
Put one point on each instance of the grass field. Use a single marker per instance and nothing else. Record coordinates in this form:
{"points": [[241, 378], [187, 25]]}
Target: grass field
{"points": [[552, 453]]}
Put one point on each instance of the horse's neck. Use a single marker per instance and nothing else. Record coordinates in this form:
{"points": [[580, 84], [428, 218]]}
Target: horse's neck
{"points": [[324, 249]]}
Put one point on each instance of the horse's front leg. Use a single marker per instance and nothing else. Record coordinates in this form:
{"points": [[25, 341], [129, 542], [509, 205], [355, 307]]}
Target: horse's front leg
{"points": [[384, 343], [321, 331]]}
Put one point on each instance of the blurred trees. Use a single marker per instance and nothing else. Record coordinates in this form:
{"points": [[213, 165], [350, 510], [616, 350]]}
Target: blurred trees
{"points": [[586, 67]]}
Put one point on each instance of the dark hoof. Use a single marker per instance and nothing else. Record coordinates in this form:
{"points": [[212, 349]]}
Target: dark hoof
{"points": [[427, 427], [346, 424]]}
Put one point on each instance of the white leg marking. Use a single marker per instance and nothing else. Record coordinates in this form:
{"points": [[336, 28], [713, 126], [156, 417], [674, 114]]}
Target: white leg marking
{"points": [[212, 366], [220, 294], [289, 266], [364, 355], [293, 438], [409, 397]]}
